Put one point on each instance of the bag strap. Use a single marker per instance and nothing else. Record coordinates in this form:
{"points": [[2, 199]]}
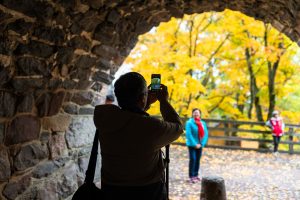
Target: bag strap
{"points": [[90, 172], [167, 161]]}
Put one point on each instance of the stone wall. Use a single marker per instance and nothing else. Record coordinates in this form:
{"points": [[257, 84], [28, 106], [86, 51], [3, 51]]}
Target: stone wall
{"points": [[57, 59]]}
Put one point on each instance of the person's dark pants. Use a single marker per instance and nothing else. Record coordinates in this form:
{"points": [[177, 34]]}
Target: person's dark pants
{"points": [[276, 140], [155, 191], [194, 163]]}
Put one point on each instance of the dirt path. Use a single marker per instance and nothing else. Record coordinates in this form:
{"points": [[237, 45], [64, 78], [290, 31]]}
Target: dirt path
{"points": [[248, 175]]}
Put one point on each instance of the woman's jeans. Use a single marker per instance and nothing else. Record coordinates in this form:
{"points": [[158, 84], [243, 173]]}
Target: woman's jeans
{"points": [[194, 163], [276, 140]]}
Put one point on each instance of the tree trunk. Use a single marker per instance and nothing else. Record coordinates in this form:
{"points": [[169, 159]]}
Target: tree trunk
{"points": [[254, 99]]}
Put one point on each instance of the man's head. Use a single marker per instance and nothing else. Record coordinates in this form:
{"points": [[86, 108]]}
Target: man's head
{"points": [[131, 90], [109, 99]]}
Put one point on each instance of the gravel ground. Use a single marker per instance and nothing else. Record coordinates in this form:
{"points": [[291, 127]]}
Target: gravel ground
{"points": [[248, 175]]}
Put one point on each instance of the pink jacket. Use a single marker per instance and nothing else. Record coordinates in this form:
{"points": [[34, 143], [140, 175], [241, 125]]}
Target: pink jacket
{"points": [[277, 126]]}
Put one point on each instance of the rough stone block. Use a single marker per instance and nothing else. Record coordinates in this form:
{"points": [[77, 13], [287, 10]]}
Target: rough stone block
{"points": [[85, 62], [103, 64], [79, 43], [86, 111], [56, 103], [43, 103], [80, 74], [23, 128], [75, 28], [57, 145], [85, 84], [70, 84], [105, 51], [7, 46], [103, 77], [4, 73], [83, 98], [176, 10], [85, 151], [67, 184], [67, 4], [81, 132], [44, 169], [105, 33], [20, 26], [65, 55], [29, 156], [63, 20], [4, 165], [2, 132], [39, 9], [35, 48], [57, 123], [4, 16], [16, 187], [55, 83], [97, 86], [71, 109], [44, 137], [54, 35], [91, 19], [96, 4], [26, 103], [114, 16], [7, 104], [27, 66], [22, 84], [83, 164], [43, 190]]}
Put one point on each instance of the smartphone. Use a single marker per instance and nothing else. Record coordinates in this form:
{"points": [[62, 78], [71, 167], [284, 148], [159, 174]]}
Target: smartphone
{"points": [[155, 82]]}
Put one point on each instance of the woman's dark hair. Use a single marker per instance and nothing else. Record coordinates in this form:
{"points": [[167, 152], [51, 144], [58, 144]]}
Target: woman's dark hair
{"points": [[194, 109], [129, 88]]}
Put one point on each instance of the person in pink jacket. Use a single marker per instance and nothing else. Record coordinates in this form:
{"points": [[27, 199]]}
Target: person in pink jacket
{"points": [[276, 124]]}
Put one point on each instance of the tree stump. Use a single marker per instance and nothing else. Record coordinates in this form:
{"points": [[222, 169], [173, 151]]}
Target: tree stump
{"points": [[213, 188]]}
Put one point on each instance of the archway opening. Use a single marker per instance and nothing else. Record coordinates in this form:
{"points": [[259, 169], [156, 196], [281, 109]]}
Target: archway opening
{"points": [[219, 62], [57, 59]]}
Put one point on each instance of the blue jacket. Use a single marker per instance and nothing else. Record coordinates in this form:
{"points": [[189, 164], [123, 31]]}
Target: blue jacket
{"points": [[191, 130]]}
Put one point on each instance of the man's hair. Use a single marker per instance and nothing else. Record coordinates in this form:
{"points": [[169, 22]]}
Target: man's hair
{"points": [[110, 97], [129, 88]]}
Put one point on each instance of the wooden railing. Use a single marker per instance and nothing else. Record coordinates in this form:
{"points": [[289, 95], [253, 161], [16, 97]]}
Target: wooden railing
{"points": [[243, 135]]}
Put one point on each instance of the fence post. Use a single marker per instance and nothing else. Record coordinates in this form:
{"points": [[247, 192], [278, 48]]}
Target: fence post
{"points": [[212, 188], [291, 145]]}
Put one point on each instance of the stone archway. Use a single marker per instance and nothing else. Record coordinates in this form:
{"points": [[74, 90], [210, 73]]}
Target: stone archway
{"points": [[57, 59]]}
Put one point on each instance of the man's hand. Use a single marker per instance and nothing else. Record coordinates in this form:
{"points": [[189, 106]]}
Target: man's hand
{"points": [[151, 98], [162, 94]]}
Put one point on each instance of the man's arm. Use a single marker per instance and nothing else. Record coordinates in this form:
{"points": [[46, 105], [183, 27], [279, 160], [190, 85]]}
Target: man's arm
{"points": [[167, 111], [171, 126]]}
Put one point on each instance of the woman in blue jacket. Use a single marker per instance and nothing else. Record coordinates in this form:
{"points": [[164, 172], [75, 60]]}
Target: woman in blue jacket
{"points": [[196, 139]]}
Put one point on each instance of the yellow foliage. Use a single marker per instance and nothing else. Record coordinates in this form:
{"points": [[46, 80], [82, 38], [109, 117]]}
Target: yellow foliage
{"points": [[202, 60]]}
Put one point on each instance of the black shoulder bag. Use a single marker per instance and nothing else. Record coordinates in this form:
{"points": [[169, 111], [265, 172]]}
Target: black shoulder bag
{"points": [[88, 190]]}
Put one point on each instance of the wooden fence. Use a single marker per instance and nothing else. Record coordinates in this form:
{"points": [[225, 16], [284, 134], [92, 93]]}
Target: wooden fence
{"points": [[243, 135]]}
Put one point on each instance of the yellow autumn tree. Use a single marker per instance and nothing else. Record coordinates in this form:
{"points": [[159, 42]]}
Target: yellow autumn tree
{"points": [[221, 62]]}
